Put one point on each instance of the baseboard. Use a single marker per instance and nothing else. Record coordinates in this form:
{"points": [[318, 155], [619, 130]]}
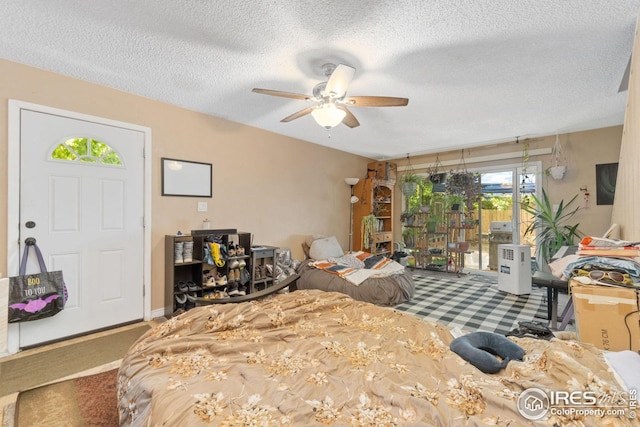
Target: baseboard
{"points": [[160, 312]]}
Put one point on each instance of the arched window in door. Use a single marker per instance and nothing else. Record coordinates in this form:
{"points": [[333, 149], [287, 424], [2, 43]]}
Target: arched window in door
{"points": [[86, 150]]}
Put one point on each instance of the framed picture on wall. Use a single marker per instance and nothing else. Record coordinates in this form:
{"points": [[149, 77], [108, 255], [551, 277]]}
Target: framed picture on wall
{"points": [[185, 178], [606, 177]]}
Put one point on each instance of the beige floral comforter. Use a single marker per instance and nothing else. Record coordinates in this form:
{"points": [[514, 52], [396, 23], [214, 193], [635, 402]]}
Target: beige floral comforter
{"points": [[320, 358]]}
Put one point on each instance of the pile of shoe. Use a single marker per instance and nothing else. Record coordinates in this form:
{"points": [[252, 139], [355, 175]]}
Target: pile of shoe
{"points": [[217, 294], [235, 250], [260, 272], [236, 287], [536, 330]]}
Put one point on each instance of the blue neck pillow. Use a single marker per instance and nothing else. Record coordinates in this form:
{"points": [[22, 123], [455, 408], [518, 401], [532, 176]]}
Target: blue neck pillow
{"points": [[481, 348]]}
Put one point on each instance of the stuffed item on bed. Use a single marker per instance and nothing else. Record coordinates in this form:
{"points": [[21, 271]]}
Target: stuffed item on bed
{"points": [[481, 348], [362, 276]]}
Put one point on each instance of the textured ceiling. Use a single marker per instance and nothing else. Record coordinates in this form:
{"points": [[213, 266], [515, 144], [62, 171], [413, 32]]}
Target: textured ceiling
{"points": [[476, 72]]}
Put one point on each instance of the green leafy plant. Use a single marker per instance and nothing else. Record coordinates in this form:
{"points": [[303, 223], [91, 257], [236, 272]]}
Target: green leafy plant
{"points": [[550, 225], [368, 230], [410, 182], [467, 185]]}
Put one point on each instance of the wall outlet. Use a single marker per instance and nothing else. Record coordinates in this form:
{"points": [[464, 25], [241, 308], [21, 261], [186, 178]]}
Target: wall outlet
{"points": [[202, 206]]}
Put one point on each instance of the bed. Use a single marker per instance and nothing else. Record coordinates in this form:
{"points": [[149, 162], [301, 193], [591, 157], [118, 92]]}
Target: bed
{"points": [[376, 279], [311, 357]]}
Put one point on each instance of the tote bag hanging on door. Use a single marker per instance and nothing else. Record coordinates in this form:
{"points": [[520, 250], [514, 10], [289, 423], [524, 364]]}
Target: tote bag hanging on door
{"points": [[35, 296]]}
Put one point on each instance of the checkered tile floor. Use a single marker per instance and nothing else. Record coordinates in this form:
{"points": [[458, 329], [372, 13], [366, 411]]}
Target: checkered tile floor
{"points": [[472, 302]]}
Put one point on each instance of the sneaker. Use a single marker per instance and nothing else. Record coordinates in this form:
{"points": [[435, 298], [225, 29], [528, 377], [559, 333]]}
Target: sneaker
{"points": [[242, 264], [187, 253], [222, 294], [192, 286], [231, 250], [177, 254], [234, 264], [239, 250], [182, 286], [192, 296], [233, 291], [241, 291], [180, 300], [210, 282], [221, 280]]}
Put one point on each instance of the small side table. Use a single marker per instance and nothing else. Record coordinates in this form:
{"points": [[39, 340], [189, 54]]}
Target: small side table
{"points": [[261, 256]]}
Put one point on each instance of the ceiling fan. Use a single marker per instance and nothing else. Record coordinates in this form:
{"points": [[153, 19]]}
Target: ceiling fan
{"points": [[331, 100]]}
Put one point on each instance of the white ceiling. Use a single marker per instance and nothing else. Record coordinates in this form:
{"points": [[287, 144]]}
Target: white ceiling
{"points": [[476, 72]]}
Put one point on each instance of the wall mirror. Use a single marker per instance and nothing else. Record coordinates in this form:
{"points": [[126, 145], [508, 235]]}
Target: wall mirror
{"points": [[185, 178]]}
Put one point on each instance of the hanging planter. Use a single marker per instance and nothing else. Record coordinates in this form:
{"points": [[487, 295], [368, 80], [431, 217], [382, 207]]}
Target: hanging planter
{"points": [[464, 184], [558, 170], [436, 175], [409, 181]]}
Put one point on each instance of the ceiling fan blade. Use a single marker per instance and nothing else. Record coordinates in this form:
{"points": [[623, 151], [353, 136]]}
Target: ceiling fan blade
{"points": [[299, 114], [339, 81], [281, 94], [349, 120], [375, 101]]}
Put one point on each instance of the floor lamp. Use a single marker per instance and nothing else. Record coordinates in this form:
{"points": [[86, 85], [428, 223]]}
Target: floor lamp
{"points": [[354, 199]]}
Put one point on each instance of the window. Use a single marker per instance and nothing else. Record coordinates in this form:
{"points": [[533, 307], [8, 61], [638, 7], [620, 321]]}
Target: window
{"points": [[86, 150]]}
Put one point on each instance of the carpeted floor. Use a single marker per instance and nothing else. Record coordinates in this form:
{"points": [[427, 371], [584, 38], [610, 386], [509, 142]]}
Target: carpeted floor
{"points": [[85, 401], [472, 302], [35, 367]]}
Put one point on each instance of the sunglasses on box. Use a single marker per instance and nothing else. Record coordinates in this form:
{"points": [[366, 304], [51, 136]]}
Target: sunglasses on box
{"points": [[613, 276]]}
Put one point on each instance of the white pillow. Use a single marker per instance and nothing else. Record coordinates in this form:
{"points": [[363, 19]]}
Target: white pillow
{"points": [[325, 248]]}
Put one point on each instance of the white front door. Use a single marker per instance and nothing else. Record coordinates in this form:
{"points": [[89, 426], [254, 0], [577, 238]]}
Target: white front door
{"points": [[86, 212]]}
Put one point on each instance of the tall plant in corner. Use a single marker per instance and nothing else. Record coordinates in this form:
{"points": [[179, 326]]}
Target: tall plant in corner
{"points": [[551, 226]]}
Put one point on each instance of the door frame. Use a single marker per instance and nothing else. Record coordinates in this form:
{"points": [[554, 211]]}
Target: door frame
{"points": [[13, 198]]}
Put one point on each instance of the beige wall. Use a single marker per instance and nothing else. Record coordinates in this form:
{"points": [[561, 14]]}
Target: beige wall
{"points": [[583, 150], [626, 207], [278, 188]]}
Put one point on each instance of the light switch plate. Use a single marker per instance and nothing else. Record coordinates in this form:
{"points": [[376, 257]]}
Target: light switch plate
{"points": [[202, 206]]}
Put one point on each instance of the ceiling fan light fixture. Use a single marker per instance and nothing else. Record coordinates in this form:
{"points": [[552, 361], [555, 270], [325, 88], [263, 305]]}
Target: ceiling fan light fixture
{"points": [[328, 115]]}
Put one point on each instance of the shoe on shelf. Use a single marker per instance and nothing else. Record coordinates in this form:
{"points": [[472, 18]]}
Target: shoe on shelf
{"points": [[242, 264], [239, 250], [233, 290], [192, 286], [242, 291], [178, 253], [221, 294], [191, 297], [210, 282], [181, 299], [182, 286], [187, 253], [221, 280], [234, 264], [231, 251]]}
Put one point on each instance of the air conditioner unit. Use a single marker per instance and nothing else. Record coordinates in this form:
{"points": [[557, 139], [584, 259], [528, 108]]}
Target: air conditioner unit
{"points": [[514, 269]]}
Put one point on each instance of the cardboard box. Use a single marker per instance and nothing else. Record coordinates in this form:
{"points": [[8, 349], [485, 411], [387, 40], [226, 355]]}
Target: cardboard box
{"points": [[384, 170], [607, 316]]}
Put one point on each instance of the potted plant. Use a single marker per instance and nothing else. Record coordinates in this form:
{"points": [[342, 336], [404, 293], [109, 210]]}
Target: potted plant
{"points": [[409, 183], [407, 217], [466, 185], [557, 170], [368, 229], [551, 226]]}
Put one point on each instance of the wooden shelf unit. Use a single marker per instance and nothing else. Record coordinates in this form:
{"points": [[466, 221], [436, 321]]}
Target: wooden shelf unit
{"points": [[375, 197]]}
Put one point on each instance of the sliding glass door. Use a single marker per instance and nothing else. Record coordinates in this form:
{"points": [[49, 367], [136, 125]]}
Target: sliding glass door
{"points": [[499, 213], [497, 216]]}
